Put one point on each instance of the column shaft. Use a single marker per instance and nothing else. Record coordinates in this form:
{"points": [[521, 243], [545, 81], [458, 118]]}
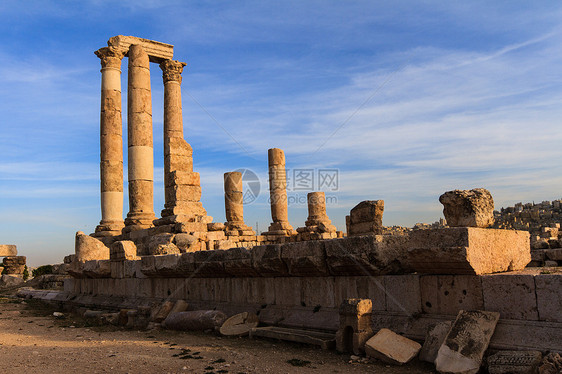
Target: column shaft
{"points": [[111, 143], [233, 198], [278, 193], [139, 129]]}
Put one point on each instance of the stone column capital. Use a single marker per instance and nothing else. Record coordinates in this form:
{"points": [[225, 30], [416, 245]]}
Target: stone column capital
{"points": [[110, 57], [171, 70]]}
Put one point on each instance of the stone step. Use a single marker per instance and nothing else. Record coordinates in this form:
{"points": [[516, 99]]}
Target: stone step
{"points": [[323, 339]]}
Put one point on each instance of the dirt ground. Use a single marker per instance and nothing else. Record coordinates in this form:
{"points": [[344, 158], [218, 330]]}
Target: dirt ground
{"points": [[33, 341]]}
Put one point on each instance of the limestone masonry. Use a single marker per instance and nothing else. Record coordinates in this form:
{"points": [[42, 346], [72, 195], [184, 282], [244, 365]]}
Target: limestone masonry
{"points": [[347, 290]]}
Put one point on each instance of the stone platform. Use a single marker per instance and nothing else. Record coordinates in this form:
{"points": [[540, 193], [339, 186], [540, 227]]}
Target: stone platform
{"points": [[529, 302]]}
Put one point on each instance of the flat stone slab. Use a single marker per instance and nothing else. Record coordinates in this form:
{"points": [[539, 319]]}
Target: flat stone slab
{"points": [[8, 250], [322, 339], [466, 342], [157, 51], [390, 347], [467, 250]]}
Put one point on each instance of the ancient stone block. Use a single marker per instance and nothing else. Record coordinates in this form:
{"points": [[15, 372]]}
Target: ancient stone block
{"points": [[466, 342], [447, 294], [434, 338], [366, 255], [88, 248], [467, 250], [266, 260], [462, 208], [366, 218], [390, 347], [548, 288], [238, 263], [97, 268], [209, 264], [554, 254], [403, 293], [123, 250], [514, 362], [8, 250], [305, 258], [500, 290]]}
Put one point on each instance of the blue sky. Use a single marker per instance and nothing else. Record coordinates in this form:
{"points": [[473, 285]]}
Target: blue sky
{"points": [[407, 99]]}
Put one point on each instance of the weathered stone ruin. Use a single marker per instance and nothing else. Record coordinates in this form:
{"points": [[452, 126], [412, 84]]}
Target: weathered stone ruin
{"points": [[305, 284]]}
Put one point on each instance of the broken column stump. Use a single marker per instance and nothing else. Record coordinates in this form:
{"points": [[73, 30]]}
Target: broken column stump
{"points": [[355, 325]]}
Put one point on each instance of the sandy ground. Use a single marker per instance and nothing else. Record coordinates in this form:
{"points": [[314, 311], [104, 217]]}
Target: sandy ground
{"points": [[33, 341]]}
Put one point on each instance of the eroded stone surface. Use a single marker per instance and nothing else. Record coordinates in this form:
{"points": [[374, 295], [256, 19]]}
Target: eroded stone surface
{"points": [[468, 208], [514, 362], [467, 250], [434, 338], [466, 342], [366, 218], [88, 248]]}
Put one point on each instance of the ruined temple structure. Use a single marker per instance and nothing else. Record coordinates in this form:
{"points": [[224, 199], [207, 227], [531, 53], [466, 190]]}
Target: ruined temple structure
{"points": [[184, 225], [291, 278]]}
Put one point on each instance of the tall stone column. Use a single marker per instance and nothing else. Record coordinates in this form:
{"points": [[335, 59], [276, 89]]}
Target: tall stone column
{"points": [[111, 143], [278, 194], [139, 129], [182, 185]]}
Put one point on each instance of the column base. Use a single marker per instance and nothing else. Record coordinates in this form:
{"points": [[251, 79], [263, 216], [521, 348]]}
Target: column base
{"points": [[281, 228], [109, 228], [138, 221]]}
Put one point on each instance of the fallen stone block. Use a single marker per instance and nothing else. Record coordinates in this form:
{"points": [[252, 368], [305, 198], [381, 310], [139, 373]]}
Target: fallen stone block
{"points": [[88, 248], [434, 338], [466, 342], [196, 320], [239, 324], [392, 348], [467, 250], [514, 362], [462, 208]]}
